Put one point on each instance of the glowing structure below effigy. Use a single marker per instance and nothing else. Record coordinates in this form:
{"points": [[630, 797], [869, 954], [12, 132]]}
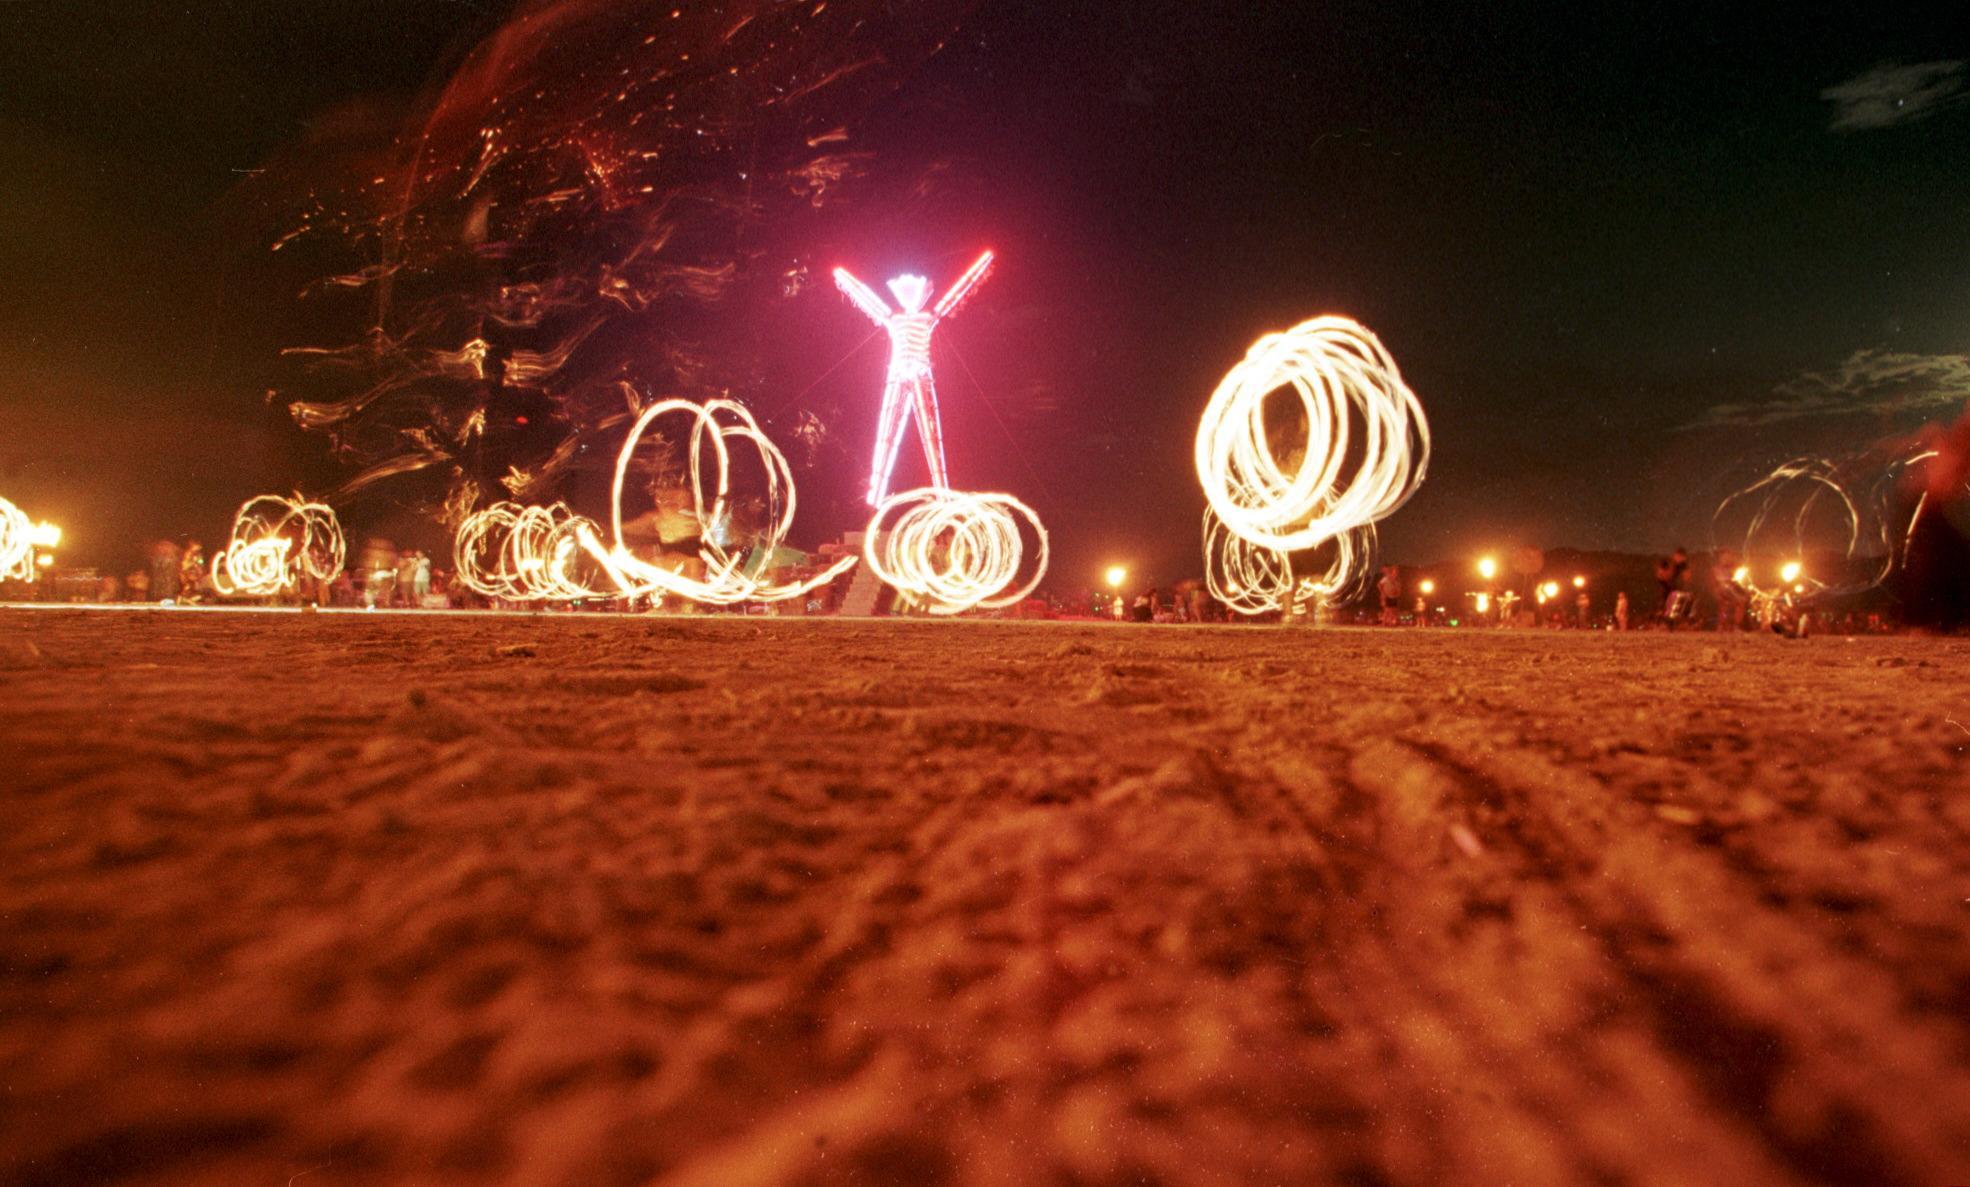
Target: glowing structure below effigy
{"points": [[953, 551], [275, 542], [909, 391], [21, 540], [727, 580], [523, 554], [1262, 509]]}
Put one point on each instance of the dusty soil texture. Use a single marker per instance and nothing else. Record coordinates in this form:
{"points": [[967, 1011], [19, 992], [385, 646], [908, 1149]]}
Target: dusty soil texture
{"points": [[346, 900]]}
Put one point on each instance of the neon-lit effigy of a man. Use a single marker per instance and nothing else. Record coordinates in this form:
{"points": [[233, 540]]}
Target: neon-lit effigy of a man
{"points": [[909, 389]]}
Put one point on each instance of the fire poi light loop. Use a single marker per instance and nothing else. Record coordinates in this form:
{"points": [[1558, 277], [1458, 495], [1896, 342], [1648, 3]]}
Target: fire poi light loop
{"points": [[274, 543], [1338, 370], [909, 391], [955, 550], [1262, 508], [523, 554], [1824, 507], [1253, 579], [714, 425]]}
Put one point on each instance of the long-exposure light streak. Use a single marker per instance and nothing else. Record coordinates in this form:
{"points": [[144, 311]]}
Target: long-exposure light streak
{"points": [[909, 391], [953, 551], [1253, 579], [714, 424], [1334, 366], [1826, 507], [275, 542], [523, 554], [1262, 509]]}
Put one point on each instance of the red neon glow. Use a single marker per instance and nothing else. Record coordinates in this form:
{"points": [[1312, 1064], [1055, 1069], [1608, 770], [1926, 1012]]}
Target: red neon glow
{"points": [[909, 389]]}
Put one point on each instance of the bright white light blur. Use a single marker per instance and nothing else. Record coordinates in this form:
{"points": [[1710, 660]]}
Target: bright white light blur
{"points": [[20, 538], [954, 550], [1487, 568], [1116, 576], [1789, 572]]}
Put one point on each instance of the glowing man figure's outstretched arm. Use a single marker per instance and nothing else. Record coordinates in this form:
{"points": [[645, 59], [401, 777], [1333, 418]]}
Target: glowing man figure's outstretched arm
{"points": [[865, 298], [963, 286]]}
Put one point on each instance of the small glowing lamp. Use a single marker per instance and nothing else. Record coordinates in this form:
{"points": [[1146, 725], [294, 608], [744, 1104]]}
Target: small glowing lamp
{"points": [[1487, 568], [45, 535], [1116, 576], [1741, 575], [1580, 583], [1427, 587], [1790, 573]]}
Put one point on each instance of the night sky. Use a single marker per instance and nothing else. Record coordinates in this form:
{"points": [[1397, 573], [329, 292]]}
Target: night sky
{"points": [[1628, 256]]}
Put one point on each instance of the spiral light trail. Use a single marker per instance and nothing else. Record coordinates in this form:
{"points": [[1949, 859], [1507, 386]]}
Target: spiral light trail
{"points": [[714, 425], [954, 550], [275, 542], [1346, 479], [523, 554]]}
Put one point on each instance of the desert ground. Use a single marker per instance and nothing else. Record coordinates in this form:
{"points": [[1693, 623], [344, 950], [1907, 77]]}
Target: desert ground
{"points": [[342, 899]]}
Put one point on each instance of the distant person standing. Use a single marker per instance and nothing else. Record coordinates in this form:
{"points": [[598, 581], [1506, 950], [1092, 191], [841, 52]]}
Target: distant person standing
{"points": [[164, 561], [1582, 607], [1731, 597], [420, 582], [1621, 611], [1390, 588], [1670, 574], [191, 570]]}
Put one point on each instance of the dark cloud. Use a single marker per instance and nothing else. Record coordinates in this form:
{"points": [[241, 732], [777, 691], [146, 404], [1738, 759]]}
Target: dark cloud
{"points": [[1872, 382], [1892, 94]]}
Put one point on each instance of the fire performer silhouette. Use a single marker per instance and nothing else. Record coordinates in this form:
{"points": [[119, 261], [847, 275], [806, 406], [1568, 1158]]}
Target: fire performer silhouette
{"points": [[909, 389]]}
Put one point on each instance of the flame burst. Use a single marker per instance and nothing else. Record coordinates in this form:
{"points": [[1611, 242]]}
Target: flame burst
{"points": [[20, 541], [275, 542], [523, 554], [954, 551], [1267, 502]]}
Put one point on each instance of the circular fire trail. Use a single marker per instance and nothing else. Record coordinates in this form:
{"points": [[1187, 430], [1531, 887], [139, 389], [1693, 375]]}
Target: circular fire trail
{"points": [[715, 424], [1254, 579], [1366, 450], [275, 542], [954, 550], [522, 554]]}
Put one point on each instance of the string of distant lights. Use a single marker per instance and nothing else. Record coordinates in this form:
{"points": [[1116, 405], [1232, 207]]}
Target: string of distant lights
{"points": [[953, 551], [274, 543], [714, 424], [522, 554], [21, 543], [1339, 372]]}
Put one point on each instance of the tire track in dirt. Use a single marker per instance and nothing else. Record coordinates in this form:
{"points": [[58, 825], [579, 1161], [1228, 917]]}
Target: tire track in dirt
{"points": [[1764, 1014]]}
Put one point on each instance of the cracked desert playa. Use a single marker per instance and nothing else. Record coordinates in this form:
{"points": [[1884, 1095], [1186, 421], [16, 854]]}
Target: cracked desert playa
{"points": [[720, 901]]}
